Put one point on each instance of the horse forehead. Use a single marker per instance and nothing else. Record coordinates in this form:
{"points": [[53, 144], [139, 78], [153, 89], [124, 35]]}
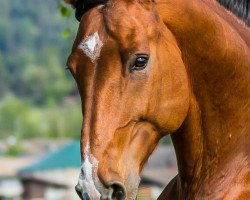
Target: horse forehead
{"points": [[91, 34], [91, 45], [116, 18], [122, 20]]}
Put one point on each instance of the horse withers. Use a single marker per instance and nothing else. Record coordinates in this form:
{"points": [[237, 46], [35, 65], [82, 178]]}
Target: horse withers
{"points": [[145, 69]]}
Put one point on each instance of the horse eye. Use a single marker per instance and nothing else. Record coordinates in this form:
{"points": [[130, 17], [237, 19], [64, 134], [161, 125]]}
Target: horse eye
{"points": [[139, 63]]}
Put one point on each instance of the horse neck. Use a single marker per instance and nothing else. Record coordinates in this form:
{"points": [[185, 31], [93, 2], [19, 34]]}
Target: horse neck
{"points": [[217, 60]]}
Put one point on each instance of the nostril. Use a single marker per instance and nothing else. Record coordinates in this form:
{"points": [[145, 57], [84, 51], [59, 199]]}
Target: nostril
{"points": [[118, 191], [83, 196], [78, 191]]}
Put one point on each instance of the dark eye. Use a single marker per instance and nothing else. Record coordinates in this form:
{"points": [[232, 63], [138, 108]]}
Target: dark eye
{"points": [[140, 62]]}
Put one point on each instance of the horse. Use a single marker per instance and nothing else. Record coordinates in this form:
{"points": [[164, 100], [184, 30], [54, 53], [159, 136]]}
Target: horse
{"points": [[149, 68]]}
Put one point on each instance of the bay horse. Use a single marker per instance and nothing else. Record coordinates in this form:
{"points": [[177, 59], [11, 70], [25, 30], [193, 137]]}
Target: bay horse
{"points": [[148, 68]]}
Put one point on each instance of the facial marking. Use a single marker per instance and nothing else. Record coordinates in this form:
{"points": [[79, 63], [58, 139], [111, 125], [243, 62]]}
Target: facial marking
{"points": [[133, 188], [88, 175], [91, 46]]}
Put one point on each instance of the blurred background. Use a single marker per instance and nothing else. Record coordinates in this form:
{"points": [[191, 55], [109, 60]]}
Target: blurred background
{"points": [[40, 114]]}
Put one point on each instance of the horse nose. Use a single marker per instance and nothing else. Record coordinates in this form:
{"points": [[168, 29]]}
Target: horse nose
{"points": [[117, 191], [82, 196]]}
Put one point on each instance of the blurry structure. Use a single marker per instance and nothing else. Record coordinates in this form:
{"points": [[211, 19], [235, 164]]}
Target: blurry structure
{"points": [[158, 172], [54, 175], [50, 184], [10, 187]]}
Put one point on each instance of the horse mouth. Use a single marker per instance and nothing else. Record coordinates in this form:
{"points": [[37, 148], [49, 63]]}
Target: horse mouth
{"points": [[114, 191]]}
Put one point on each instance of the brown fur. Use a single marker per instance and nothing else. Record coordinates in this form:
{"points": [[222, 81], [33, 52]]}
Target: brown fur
{"points": [[196, 87]]}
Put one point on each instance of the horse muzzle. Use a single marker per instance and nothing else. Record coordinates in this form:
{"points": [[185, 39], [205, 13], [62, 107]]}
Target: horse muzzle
{"points": [[115, 191]]}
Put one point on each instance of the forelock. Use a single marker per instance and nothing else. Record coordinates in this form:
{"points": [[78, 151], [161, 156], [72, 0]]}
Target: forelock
{"points": [[82, 6]]}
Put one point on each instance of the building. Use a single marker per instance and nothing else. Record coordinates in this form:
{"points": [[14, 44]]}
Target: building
{"points": [[55, 175], [10, 186]]}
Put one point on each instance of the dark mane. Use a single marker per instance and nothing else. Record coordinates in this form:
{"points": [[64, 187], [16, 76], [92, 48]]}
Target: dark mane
{"points": [[241, 8], [83, 6]]}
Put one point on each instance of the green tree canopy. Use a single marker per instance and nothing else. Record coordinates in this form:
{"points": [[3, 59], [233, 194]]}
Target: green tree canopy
{"points": [[35, 90]]}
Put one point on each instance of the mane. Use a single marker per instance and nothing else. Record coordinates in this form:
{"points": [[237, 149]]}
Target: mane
{"points": [[82, 6], [240, 8]]}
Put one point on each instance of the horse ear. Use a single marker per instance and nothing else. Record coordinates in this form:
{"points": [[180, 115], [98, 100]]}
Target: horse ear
{"points": [[78, 6]]}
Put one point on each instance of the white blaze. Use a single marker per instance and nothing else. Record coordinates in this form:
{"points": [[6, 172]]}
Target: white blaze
{"points": [[88, 175], [91, 46]]}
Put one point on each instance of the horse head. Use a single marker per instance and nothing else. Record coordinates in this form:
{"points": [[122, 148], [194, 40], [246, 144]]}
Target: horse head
{"points": [[134, 90]]}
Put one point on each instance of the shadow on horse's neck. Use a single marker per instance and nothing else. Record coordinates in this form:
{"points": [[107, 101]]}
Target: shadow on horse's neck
{"points": [[214, 133]]}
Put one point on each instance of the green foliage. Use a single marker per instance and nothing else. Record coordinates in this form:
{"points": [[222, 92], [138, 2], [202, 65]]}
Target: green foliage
{"points": [[32, 50], [166, 140], [34, 87], [141, 197], [14, 150], [66, 33], [22, 120], [64, 10]]}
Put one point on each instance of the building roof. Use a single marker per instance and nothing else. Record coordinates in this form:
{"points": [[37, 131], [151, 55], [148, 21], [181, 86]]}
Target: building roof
{"points": [[66, 157], [10, 165], [161, 166]]}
